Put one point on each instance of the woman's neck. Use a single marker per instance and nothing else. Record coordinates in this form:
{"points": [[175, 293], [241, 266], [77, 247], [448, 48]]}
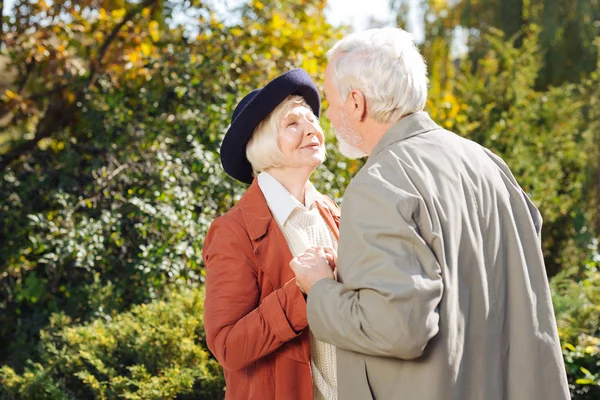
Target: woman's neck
{"points": [[293, 179]]}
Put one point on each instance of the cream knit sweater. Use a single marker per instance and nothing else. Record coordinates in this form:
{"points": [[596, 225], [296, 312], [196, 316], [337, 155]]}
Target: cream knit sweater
{"points": [[303, 229]]}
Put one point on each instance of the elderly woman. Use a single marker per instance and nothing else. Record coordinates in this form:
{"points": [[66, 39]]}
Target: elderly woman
{"points": [[255, 314]]}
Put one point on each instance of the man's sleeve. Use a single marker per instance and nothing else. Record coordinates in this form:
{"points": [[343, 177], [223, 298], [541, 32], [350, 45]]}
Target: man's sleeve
{"points": [[388, 302]]}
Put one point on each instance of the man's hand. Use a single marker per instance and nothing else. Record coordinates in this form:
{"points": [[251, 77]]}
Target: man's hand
{"points": [[312, 266]]}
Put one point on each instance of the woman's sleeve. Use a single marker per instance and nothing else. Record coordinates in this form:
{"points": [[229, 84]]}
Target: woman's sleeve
{"points": [[239, 330]]}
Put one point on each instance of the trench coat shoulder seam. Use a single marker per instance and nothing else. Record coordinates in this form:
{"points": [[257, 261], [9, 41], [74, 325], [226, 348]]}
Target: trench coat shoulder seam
{"points": [[402, 139]]}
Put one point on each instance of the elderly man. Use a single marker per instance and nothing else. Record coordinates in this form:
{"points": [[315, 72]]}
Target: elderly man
{"points": [[442, 291]]}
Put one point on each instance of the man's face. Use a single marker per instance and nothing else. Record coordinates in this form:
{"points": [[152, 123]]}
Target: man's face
{"points": [[349, 140]]}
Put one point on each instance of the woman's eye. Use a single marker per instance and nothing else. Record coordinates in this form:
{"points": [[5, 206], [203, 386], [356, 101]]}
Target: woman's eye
{"points": [[291, 123]]}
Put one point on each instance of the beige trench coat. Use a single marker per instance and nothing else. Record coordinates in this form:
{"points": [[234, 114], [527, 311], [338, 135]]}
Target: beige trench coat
{"points": [[443, 292]]}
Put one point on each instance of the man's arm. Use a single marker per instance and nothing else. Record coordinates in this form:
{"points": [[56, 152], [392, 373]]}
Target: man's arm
{"points": [[392, 284]]}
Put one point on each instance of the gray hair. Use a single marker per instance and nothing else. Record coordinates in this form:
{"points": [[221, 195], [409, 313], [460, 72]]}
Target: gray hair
{"points": [[386, 66]]}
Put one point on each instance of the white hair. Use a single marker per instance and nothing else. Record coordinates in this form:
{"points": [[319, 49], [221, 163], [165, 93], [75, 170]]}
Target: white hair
{"points": [[262, 149], [386, 66]]}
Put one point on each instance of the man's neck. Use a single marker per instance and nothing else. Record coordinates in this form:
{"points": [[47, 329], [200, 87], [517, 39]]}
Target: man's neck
{"points": [[372, 132]]}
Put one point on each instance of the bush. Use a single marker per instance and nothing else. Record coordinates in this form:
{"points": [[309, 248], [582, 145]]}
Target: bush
{"points": [[576, 297], [155, 351]]}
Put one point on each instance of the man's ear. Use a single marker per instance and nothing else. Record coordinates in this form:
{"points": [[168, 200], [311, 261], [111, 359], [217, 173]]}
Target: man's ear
{"points": [[358, 105]]}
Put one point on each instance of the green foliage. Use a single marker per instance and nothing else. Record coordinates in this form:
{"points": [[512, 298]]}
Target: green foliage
{"points": [[111, 118], [155, 351], [568, 29], [576, 298], [111, 193]]}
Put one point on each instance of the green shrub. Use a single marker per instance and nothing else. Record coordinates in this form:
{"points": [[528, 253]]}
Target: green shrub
{"points": [[154, 351], [576, 297]]}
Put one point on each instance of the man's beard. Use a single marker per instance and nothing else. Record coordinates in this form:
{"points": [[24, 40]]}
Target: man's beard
{"points": [[348, 141], [348, 150]]}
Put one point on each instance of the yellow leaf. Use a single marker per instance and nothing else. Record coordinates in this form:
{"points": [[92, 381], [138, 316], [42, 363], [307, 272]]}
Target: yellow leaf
{"points": [[44, 143], [236, 32], [146, 49], [146, 12], [438, 5], [311, 66], [153, 30], [247, 58], [118, 14], [277, 21], [258, 5], [102, 14], [133, 57], [11, 95]]}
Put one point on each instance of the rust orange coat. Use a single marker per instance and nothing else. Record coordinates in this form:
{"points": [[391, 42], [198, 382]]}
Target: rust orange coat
{"points": [[254, 313]]}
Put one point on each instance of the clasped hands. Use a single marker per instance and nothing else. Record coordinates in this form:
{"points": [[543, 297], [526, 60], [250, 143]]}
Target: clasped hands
{"points": [[315, 264]]}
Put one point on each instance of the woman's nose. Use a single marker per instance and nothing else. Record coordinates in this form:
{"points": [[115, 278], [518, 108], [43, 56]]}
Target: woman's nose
{"points": [[311, 127]]}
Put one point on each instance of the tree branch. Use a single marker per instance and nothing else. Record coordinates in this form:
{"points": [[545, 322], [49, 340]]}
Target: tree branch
{"points": [[1, 23], [95, 64], [59, 113], [56, 117], [103, 186], [28, 69], [598, 185]]}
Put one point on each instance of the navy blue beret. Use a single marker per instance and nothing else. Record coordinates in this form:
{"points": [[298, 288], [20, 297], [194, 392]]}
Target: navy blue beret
{"points": [[254, 108]]}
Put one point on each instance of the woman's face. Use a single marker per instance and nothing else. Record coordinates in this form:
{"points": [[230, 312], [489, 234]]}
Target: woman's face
{"points": [[301, 139]]}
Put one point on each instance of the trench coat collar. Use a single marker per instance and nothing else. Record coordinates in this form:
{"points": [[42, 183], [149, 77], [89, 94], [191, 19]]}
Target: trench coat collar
{"points": [[412, 125]]}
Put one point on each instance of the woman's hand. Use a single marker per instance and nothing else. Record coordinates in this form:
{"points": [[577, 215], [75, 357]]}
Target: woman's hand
{"points": [[331, 256], [315, 264]]}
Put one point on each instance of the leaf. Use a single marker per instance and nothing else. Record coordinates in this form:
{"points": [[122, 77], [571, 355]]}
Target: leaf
{"points": [[11, 95], [570, 347], [278, 22], [134, 57], [153, 30], [118, 14], [146, 49]]}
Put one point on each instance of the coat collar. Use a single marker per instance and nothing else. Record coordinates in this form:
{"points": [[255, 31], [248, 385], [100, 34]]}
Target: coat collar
{"points": [[255, 211], [412, 125], [280, 201], [257, 215]]}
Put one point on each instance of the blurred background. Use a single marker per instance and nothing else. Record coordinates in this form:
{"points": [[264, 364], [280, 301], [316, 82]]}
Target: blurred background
{"points": [[111, 117]]}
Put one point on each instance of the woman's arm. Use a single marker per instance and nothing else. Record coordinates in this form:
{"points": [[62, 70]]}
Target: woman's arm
{"points": [[239, 331]]}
